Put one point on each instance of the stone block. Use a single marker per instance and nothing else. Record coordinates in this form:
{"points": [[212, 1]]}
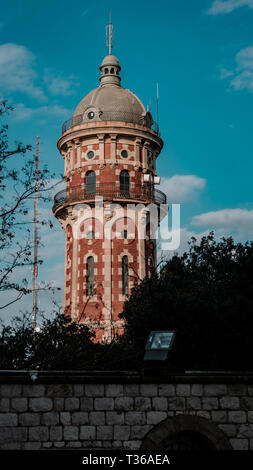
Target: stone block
{"points": [[239, 444], [122, 432], [59, 444], [143, 403], [113, 390], [139, 432], [78, 390], [245, 430], [247, 403], [94, 390], [59, 390], [58, 404], [215, 390], [32, 446], [104, 404], [183, 390], [104, 433], [114, 417], [74, 444], [96, 418], [80, 417], [65, 418], [176, 404], [15, 434], [230, 403], [40, 404], [135, 417], [72, 404], [38, 433], [219, 416], [19, 404], [197, 390], [55, 434], [8, 419], [203, 414], [148, 390], [250, 416], [193, 403], [10, 445], [210, 403], [124, 403], [10, 390], [33, 390], [4, 405], [29, 419], [229, 429], [159, 403], [237, 389], [132, 445], [70, 433], [132, 390], [87, 433], [50, 418], [237, 417], [154, 417], [86, 403], [167, 390]]}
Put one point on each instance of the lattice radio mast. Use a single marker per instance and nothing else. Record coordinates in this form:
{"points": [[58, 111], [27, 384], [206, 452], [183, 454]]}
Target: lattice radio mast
{"points": [[35, 225]]}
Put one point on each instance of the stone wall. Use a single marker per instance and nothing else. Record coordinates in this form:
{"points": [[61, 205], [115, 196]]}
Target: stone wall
{"points": [[98, 412]]}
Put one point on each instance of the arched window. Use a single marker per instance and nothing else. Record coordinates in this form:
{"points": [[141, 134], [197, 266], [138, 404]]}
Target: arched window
{"points": [[90, 276], [124, 181], [90, 182], [112, 71], [125, 275], [106, 70]]}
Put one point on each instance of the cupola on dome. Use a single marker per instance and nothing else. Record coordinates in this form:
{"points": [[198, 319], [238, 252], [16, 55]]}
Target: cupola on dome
{"points": [[111, 102]]}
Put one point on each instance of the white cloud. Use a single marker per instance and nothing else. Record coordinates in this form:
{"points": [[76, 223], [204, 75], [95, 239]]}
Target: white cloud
{"points": [[219, 6], [242, 75], [181, 188], [235, 222], [22, 112], [58, 85], [17, 71]]}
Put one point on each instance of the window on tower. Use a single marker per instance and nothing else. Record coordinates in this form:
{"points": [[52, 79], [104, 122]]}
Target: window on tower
{"points": [[125, 275], [124, 181], [90, 182], [90, 276]]}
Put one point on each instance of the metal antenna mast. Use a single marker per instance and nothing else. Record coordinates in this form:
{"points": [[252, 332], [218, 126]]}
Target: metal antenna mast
{"points": [[109, 35], [157, 115], [35, 221]]}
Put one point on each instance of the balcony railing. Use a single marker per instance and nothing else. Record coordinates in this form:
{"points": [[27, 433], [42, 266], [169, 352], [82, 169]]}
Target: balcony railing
{"points": [[124, 116], [109, 191]]}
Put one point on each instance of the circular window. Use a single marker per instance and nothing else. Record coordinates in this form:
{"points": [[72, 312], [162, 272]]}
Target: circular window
{"points": [[90, 154], [124, 154], [91, 115]]}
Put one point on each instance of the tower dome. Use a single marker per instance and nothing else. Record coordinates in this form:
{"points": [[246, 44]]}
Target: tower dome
{"points": [[110, 101]]}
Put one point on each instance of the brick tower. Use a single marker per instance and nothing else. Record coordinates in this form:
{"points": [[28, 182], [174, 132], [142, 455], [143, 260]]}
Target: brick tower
{"points": [[109, 146]]}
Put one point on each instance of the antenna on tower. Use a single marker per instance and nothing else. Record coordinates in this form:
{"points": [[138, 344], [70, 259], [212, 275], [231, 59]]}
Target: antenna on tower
{"points": [[109, 35], [35, 225], [157, 114]]}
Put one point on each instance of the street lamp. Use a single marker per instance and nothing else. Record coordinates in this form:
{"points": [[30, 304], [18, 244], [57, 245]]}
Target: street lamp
{"points": [[158, 345]]}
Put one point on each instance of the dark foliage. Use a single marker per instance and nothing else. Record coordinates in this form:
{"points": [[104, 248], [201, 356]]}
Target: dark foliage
{"points": [[206, 295]]}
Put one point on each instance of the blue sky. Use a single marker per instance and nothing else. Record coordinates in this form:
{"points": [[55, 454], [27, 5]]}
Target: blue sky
{"points": [[201, 54]]}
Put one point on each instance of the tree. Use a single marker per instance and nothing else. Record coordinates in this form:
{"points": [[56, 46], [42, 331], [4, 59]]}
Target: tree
{"points": [[206, 295], [17, 191], [59, 344]]}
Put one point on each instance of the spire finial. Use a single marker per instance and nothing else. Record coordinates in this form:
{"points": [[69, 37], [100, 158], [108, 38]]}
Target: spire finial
{"points": [[109, 34]]}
